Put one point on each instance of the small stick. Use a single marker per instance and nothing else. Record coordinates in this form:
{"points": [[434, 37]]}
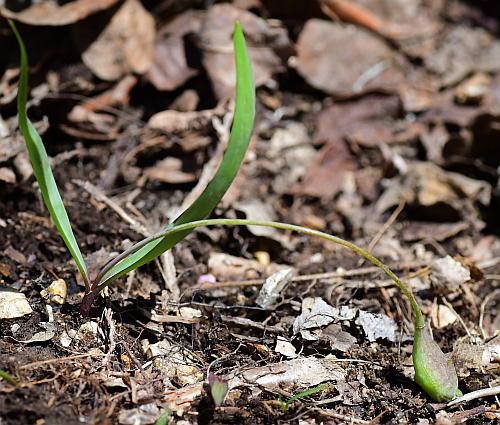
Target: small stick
{"points": [[486, 392], [100, 196], [57, 360], [390, 221]]}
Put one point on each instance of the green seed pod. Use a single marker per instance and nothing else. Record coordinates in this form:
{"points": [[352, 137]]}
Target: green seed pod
{"points": [[434, 371]]}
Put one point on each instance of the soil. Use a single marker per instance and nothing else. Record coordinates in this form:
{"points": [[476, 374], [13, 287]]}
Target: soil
{"points": [[412, 184]]}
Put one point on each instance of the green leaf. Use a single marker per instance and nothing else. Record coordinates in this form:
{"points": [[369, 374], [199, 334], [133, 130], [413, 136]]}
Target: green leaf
{"points": [[164, 417], [8, 377], [238, 142], [41, 165], [218, 388]]}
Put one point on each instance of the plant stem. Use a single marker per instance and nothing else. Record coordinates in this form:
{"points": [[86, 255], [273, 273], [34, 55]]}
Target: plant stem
{"points": [[87, 302], [419, 319]]}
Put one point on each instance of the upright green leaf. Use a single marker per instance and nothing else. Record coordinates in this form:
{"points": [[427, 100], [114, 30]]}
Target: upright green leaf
{"points": [[238, 142], [41, 165]]}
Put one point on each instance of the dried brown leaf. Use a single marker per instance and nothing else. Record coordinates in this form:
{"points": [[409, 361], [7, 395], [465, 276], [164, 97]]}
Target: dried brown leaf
{"points": [[52, 13], [126, 44], [324, 62], [264, 44]]}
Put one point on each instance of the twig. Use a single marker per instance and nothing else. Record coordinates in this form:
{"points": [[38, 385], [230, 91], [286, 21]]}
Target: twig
{"points": [[486, 392], [108, 315], [243, 321], [100, 196], [447, 304], [301, 278], [57, 360], [390, 221], [487, 299], [167, 261]]}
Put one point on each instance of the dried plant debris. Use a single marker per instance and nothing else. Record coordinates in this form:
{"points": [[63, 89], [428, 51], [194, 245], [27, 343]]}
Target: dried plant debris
{"points": [[448, 274], [284, 347], [469, 357], [377, 326], [298, 373], [126, 44], [170, 68], [53, 13], [266, 43], [273, 287], [13, 305], [457, 54], [369, 63], [442, 195]]}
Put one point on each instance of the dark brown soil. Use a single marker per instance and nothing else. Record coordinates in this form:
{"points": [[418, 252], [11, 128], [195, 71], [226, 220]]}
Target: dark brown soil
{"points": [[106, 376]]}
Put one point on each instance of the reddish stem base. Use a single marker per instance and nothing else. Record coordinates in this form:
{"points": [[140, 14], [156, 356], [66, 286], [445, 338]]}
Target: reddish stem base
{"points": [[86, 304]]}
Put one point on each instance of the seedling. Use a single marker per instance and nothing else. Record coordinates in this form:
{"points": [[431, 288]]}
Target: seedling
{"points": [[164, 417], [285, 405], [433, 371], [218, 388], [7, 377]]}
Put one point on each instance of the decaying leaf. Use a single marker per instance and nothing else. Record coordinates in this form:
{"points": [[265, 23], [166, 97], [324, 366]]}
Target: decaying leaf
{"points": [[228, 267], [448, 274], [7, 175], [42, 336], [467, 356], [441, 195], [170, 68], [338, 339], [303, 372], [377, 326], [368, 63], [284, 347], [326, 175], [53, 13], [144, 414], [169, 170], [272, 288], [215, 41], [175, 363], [172, 121], [292, 155], [316, 313], [126, 44], [461, 51]]}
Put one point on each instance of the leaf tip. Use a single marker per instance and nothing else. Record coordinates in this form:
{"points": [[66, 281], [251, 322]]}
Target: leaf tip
{"points": [[434, 371]]}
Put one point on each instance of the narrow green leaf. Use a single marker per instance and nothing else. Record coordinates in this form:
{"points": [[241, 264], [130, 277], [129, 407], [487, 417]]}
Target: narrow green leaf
{"points": [[238, 142], [285, 405], [8, 377], [164, 417], [41, 165]]}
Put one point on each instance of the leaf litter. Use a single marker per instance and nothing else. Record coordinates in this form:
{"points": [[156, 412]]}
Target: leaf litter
{"points": [[408, 112]]}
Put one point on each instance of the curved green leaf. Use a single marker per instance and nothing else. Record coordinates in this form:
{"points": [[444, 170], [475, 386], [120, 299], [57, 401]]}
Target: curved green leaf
{"points": [[41, 165], [238, 142]]}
